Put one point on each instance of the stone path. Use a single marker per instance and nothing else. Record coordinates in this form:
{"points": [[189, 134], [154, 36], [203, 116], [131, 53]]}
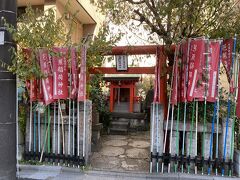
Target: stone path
{"points": [[123, 152]]}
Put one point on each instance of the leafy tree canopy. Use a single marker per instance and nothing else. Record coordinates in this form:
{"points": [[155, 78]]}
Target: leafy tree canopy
{"points": [[172, 20]]}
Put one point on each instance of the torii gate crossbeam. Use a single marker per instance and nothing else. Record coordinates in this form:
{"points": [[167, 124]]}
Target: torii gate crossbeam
{"points": [[140, 50]]}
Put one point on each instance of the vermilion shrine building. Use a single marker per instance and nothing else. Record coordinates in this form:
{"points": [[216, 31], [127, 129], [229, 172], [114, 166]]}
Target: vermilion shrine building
{"points": [[122, 96]]}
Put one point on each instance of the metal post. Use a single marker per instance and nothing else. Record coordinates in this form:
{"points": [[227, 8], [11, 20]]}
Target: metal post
{"points": [[7, 95]]}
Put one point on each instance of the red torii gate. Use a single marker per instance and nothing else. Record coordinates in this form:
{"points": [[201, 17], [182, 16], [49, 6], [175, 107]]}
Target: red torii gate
{"points": [[158, 50]]}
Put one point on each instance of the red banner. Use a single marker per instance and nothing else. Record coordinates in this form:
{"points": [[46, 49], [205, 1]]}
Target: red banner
{"points": [[82, 76], [155, 82], [196, 62], [158, 77], [174, 92], [183, 71], [40, 95], [156, 97], [213, 71], [60, 73], [74, 68], [32, 89], [227, 56], [45, 66], [27, 52]]}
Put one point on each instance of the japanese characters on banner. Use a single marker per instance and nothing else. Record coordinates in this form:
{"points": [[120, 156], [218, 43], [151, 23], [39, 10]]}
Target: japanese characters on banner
{"points": [[183, 71], [195, 67], [47, 83], [40, 95], [174, 92], [60, 73], [227, 56], [156, 97], [155, 82], [55, 83], [32, 89], [74, 69], [213, 71], [82, 76]]}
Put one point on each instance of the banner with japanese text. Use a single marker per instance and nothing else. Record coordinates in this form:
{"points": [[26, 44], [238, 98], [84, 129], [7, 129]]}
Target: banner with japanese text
{"points": [[174, 92], [47, 81], [32, 89], [40, 95], [74, 74], [227, 50], [82, 76], [155, 82], [183, 75], [196, 67], [60, 73], [156, 97], [213, 71]]}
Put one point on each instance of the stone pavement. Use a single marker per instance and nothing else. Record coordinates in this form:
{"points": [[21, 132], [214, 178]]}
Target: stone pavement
{"points": [[123, 153]]}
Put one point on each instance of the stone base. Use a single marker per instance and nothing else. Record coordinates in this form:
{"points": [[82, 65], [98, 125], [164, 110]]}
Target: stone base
{"points": [[236, 160]]}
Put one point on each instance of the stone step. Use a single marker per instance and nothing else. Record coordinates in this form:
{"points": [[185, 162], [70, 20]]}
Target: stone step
{"points": [[122, 120], [127, 115], [118, 129], [121, 123]]}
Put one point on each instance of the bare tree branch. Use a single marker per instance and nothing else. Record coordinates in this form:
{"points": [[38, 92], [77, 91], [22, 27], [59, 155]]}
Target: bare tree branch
{"points": [[156, 15]]}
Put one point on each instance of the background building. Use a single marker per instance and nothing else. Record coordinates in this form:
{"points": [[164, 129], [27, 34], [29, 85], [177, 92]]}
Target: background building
{"points": [[86, 22]]}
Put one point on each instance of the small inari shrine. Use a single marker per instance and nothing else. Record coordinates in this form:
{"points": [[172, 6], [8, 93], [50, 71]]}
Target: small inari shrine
{"points": [[122, 96]]}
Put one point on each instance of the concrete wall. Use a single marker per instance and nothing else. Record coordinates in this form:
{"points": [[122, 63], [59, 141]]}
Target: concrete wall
{"points": [[75, 27], [156, 133]]}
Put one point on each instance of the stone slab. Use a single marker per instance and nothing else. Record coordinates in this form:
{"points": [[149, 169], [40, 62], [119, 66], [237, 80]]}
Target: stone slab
{"points": [[115, 143], [112, 151], [237, 169], [135, 165], [236, 157], [137, 153], [139, 144]]}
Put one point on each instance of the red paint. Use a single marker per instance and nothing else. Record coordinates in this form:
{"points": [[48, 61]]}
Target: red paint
{"points": [[112, 70]]}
